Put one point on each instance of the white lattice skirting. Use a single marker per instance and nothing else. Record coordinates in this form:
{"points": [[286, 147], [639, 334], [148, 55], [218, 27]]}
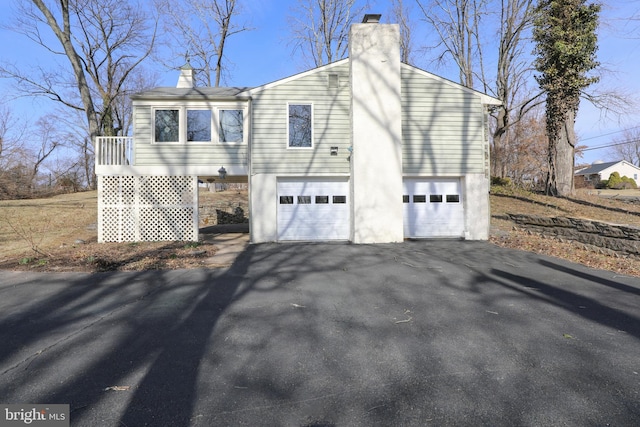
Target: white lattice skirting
{"points": [[147, 208]]}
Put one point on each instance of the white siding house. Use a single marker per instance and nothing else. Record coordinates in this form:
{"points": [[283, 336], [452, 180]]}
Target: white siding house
{"points": [[600, 171], [365, 149]]}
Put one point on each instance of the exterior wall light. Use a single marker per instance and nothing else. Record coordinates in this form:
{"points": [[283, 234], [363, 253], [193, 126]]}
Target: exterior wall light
{"points": [[222, 173], [334, 151]]}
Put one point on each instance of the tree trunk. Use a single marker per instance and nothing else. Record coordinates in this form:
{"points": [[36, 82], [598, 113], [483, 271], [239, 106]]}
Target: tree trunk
{"points": [[562, 159], [64, 36], [499, 147]]}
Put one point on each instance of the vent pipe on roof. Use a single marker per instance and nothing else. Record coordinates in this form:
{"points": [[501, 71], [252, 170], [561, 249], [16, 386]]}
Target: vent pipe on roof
{"points": [[371, 18], [186, 76]]}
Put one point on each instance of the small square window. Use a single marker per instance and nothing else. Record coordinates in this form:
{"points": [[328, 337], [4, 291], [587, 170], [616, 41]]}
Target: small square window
{"points": [[435, 198], [405, 198], [339, 199], [453, 198], [304, 200], [420, 198], [322, 200], [286, 200]]}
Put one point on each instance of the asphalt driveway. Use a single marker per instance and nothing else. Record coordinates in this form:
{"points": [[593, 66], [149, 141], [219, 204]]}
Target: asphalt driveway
{"points": [[418, 333]]}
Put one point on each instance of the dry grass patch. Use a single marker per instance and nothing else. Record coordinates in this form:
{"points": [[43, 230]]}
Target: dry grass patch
{"points": [[38, 226], [608, 206], [60, 234]]}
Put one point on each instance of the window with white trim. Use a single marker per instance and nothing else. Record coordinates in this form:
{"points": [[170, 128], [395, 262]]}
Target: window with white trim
{"points": [[167, 125], [300, 126], [199, 125], [231, 125], [180, 125]]}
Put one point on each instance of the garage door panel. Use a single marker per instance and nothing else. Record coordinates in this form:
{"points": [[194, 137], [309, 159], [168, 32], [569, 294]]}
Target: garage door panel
{"points": [[313, 210], [433, 208]]}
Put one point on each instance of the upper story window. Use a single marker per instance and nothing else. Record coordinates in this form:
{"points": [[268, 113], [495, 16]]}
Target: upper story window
{"points": [[217, 124], [300, 126], [167, 125], [199, 125], [231, 125]]}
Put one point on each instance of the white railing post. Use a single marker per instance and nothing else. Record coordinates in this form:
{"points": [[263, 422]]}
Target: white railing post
{"points": [[114, 150]]}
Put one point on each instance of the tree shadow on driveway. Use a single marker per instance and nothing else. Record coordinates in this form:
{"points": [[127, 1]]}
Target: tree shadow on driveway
{"points": [[329, 334]]}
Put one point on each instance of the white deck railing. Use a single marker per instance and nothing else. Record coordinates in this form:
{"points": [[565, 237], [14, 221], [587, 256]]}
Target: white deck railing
{"points": [[114, 150]]}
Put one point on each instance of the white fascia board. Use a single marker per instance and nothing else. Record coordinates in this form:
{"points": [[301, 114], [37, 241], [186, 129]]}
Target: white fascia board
{"points": [[484, 98]]}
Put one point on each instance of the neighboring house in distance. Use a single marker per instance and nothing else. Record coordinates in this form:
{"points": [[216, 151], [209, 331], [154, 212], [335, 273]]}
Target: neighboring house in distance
{"points": [[366, 149], [599, 171]]}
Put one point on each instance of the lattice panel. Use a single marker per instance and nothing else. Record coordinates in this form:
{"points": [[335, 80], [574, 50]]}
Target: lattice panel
{"points": [[108, 218], [110, 189], [129, 224], [147, 208], [158, 224], [128, 189], [175, 190]]}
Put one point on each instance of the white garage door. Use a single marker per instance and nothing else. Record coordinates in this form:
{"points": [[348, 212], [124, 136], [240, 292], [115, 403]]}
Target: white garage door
{"points": [[313, 210], [433, 208]]}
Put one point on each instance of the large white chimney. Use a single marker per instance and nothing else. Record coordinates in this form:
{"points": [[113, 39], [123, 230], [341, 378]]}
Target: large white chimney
{"points": [[376, 162]]}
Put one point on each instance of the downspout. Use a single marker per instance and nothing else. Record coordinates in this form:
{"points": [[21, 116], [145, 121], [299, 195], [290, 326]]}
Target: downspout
{"points": [[249, 165]]}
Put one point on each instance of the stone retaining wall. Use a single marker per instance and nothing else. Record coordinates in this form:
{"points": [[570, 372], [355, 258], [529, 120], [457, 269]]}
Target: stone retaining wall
{"points": [[216, 215], [619, 239]]}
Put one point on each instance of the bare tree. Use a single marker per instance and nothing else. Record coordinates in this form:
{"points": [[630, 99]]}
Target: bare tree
{"points": [[12, 153], [401, 13], [527, 154], [457, 24], [49, 139], [200, 30], [103, 41], [512, 74], [627, 147], [320, 29], [12, 130]]}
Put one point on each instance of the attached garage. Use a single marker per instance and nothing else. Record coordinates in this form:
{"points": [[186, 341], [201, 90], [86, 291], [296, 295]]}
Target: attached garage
{"points": [[313, 209], [433, 208]]}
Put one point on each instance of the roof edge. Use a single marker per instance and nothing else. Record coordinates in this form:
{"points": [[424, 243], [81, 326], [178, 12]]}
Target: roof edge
{"points": [[284, 80], [485, 99]]}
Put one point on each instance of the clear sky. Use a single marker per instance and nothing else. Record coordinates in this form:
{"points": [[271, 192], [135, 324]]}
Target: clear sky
{"points": [[265, 54]]}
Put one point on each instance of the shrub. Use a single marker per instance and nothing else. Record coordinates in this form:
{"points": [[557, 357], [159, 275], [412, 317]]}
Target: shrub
{"points": [[619, 183], [502, 182]]}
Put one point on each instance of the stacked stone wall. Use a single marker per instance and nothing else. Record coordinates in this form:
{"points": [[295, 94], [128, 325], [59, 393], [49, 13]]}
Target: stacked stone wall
{"points": [[611, 238]]}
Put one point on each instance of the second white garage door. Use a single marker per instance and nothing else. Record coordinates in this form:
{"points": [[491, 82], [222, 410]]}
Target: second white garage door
{"points": [[433, 208], [313, 210]]}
